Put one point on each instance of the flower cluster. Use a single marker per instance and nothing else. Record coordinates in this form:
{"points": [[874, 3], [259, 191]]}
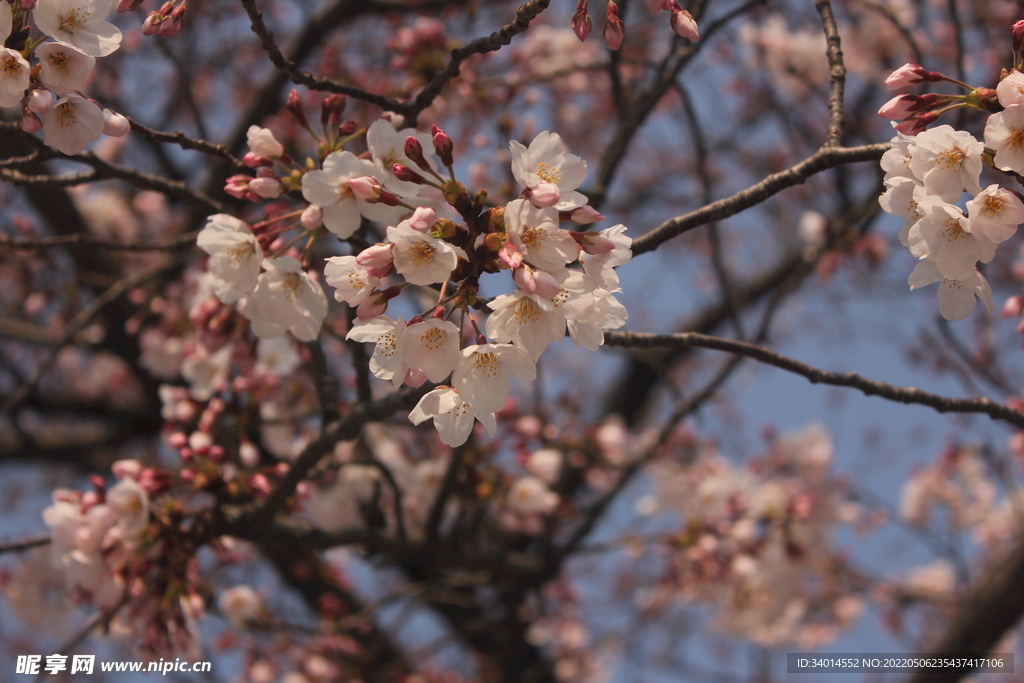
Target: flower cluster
{"points": [[50, 92], [682, 21], [437, 236], [928, 171]]}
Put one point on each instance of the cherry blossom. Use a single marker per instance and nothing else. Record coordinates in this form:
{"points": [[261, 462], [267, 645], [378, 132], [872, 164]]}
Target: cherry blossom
{"points": [[240, 605], [1004, 133], [235, 256], [81, 23], [482, 376], [453, 417], [947, 161], [956, 297], [420, 258], [995, 214], [14, 77], [537, 237], [545, 161], [64, 68], [942, 235], [1010, 90], [277, 356], [73, 124], [527, 321], [263, 144], [351, 281], [387, 147], [902, 197], [531, 496], [601, 265], [431, 347], [329, 189], [385, 333], [286, 298]]}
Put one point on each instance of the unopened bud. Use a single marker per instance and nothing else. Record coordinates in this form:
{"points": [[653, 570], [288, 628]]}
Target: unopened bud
{"points": [[389, 199], [585, 215], [238, 186], [40, 101], [122, 5], [414, 150], [581, 23], [347, 128], [268, 188], [545, 195], [404, 173], [535, 281], [509, 256], [172, 25], [373, 305], [1017, 36], [30, 123], [295, 108], [312, 217], [366, 189], [910, 74], [443, 146], [614, 30], [593, 243], [377, 256], [684, 24], [331, 110], [151, 26], [423, 219], [115, 125]]}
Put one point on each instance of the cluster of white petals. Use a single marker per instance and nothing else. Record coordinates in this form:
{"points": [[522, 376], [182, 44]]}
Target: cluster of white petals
{"points": [[925, 177]]}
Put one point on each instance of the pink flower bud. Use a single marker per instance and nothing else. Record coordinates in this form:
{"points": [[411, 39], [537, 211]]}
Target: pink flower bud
{"points": [[423, 219], [373, 305], [238, 186], [123, 5], [581, 23], [151, 26], [684, 24], [404, 173], [40, 101], [414, 378], [389, 199], [252, 160], [443, 146], [28, 5], [614, 30], [585, 215], [377, 256], [899, 107], [916, 124], [268, 188], [312, 217], [295, 108], [414, 150], [545, 195], [331, 110], [1017, 36], [348, 128], [534, 281], [594, 243], [366, 189], [115, 125], [172, 25], [658, 5], [910, 74], [509, 256]]}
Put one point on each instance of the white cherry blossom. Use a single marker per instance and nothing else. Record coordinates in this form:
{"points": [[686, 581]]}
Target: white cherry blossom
{"points": [[526, 321], [896, 160], [601, 267], [72, 125], [453, 417], [1010, 90], [902, 197], [205, 371], [430, 346], [385, 333], [537, 237], [947, 161], [387, 148], [531, 496], [956, 297], [262, 143], [351, 281], [81, 23], [482, 376], [545, 161], [420, 258], [286, 298], [14, 76], [63, 68], [235, 256], [589, 312], [1004, 133], [277, 356], [329, 189], [943, 235], [130, 504], [240, 605], [995, 214]]}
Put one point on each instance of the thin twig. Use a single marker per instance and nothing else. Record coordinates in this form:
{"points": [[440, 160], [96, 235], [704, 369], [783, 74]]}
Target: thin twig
{"points": [[908, 395], [837, 75], [6, 241], [24, 544]]}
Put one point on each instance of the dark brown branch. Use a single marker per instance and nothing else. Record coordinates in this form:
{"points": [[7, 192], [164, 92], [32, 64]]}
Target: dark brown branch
{"points": [[821, 160], [24, 544], [837, 75], [908, 395], [185, 142], [6, 241]]}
